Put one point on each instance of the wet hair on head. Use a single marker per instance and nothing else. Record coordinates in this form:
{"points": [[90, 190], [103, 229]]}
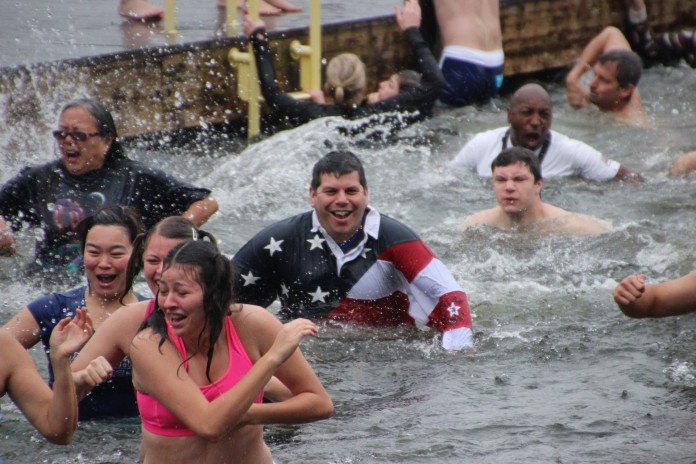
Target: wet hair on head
{"points": [[104, 122], [629, 66], [173, 227], [202, 262], [409, 79], [346, 79], [121, 216], [338, 163], [516, 155]]}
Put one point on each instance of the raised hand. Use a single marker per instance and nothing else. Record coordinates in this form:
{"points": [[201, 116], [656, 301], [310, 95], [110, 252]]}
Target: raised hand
{"points": [[71, 334], [290, 336], [409, 15]]}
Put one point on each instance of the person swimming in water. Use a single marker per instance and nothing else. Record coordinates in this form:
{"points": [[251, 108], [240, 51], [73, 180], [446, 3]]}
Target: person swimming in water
{"points": [[107, 242], [614, 87], [517, 185]]}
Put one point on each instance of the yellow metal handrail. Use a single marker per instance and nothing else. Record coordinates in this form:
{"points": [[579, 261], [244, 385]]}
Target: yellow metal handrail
{"points": [[310, 56], [247, 76], [169, 17]]}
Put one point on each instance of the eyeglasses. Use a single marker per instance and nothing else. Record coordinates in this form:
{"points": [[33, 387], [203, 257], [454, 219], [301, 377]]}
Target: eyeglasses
{"points": [[76, 135]]}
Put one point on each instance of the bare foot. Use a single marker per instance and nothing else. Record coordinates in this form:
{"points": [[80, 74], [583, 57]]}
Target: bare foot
{"points": [[266, 8], [140, 10], [285, 6]]}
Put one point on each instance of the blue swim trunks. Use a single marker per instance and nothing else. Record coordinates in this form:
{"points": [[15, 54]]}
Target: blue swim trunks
{"points": [[471, 76]]}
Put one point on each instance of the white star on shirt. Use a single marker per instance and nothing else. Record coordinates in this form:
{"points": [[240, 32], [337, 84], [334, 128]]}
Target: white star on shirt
{"points": [[284, 289], [250, 279], [364, 253], [315, 242], [318, 295], [274, 246], [453, 310]]}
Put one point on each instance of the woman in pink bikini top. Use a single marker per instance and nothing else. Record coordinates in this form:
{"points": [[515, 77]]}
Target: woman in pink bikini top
{"points": [[200, 365]]}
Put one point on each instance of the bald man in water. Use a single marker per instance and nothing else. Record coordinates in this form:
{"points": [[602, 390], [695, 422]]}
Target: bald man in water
{"points": [[472, 56], [530, 115]]}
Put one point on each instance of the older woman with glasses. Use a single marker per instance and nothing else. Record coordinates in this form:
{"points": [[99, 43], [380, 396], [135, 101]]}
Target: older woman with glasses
{"points": [[93, 172]]}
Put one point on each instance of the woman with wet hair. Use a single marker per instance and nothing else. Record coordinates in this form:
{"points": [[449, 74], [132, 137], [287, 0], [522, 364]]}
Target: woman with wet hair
{"points": [[201, 362], [106, 243], [110, 345], [92, 172]]}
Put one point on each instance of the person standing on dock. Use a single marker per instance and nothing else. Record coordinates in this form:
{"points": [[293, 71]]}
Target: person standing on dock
{"points": [[92, 172], [345, 261], [472, 56]]}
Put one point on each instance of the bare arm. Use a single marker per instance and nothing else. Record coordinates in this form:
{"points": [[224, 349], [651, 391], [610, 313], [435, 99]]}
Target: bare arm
{"points": [[200, 211], [53, 413], [308, 400], [7, 240], [672, 298], [610, 38], [684, 164], [107, 347], [156, 371], [24, 328]]}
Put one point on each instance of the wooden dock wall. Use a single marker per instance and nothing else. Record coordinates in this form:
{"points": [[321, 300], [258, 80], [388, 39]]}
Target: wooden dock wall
{"points": [[183, 86]]}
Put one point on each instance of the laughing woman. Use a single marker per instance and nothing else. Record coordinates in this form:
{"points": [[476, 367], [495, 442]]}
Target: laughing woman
{"points": [[92, 172], [200, 364], [107, 239]]}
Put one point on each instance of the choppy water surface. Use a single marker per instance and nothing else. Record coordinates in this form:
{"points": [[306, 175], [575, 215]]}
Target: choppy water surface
{"points": [[559, 374]]}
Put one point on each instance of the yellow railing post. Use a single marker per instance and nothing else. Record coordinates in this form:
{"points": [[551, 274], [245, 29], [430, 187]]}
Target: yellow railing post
{"points": [[247, 78], [231, 22], [310, 56], [169, 17]]}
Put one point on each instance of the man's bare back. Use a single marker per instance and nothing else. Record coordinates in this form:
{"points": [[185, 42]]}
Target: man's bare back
{"points": [[470, 23]]}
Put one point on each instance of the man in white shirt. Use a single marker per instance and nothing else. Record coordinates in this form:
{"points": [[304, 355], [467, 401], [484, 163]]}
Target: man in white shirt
{"points": [[530, 115]]}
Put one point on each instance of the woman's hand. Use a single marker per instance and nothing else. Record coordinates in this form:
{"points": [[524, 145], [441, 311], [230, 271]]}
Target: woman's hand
{"points": [[251, 24], [290, 336], [409, 15], [71, 334]]}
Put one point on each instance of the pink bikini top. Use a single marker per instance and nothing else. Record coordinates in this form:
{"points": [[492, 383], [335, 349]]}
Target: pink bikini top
{"points": [[158, 420]]}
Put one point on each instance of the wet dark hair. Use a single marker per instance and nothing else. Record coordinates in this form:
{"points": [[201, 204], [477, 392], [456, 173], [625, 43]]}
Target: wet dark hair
{"points": [[522, 155], [629, 67], [174, 227], [121, 216], [409, 79], [204, 263], [105, 125], [338, 163]]}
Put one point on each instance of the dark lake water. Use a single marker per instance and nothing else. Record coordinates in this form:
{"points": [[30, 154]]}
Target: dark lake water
{"points": [[559, 375]]}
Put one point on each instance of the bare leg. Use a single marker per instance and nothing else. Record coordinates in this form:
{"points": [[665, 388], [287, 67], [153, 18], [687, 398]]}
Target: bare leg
{"points": [[139, 10]]}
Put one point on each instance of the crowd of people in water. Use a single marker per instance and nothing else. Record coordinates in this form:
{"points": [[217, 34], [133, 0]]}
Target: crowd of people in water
{"points": [[204, 364]]}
